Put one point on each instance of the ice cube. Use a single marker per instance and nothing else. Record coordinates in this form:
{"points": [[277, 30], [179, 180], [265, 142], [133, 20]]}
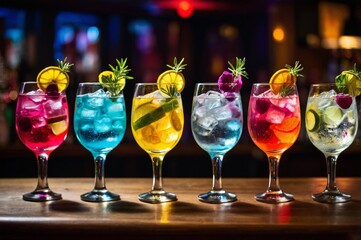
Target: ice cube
{"points": [[88, 113], [86, 124], [221, 113], [30, 105], [118, 125], [103, 124], [213, 99], [94, 102], [274, 115], [98, 93], [36, 96], [207, 123], [115, 110], [38, 121], [200, 112], [54, 108]]}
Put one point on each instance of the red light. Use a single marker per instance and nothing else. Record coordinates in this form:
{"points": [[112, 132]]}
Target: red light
{"points": [[185, 8]]}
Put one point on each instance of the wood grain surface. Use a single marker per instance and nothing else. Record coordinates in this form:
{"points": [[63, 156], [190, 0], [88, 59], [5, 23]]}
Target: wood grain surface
{"points": [[187, 218]]}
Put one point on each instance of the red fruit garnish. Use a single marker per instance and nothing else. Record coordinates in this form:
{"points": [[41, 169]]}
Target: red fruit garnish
{"points": [[343, 100]]}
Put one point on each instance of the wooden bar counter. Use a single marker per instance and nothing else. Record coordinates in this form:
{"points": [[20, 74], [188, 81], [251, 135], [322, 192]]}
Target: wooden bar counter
{"points": [[186, 218]]}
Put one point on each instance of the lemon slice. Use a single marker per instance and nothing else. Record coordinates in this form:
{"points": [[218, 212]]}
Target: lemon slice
{"points": [[175, 120], [58, 127], [52, 75], [171, 78], [114, 87], [347, 80], [281, 79]]}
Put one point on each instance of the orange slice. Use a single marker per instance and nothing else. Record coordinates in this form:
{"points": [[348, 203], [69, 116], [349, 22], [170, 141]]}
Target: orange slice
{"points": [[281, 79], [52, 75], [169, 78], [288, 124]]}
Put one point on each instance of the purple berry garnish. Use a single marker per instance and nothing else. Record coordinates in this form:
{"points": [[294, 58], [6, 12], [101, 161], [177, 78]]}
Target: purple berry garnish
{"points": [[262, 105], [52, 90], [343, 100]]}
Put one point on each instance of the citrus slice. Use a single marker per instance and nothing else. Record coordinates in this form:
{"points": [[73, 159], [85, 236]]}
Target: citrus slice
{"points": [[347, 80], [312, 120], [332, 115], [281, 79], [288, 124], [155, 115], [108, 80], [58, 127], [171, 78], [175, 120], [52, 75]]}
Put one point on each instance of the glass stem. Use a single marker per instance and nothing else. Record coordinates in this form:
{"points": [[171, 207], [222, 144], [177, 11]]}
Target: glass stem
{"points": [[331, 173], [217, 172], [273, 182], [42, 160], [157, 162], [99, 161]]}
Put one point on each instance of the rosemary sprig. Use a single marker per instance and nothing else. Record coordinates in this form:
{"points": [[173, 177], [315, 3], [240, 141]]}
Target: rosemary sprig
{"points": [[239, 70], [175, 72], [295, 70], [64, 65], [115, 82]]}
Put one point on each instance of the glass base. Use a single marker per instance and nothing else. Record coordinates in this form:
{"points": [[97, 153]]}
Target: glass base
{"points": [[157, 197], [99, 196], [274, 197], [42, 196], [331, 197], [217, 197]]}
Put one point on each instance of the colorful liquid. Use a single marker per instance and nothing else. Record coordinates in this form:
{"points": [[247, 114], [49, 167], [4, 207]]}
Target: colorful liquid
{"points": [[99, 122], [274, 121], [216, 122], [333, 127], [157, 124], [42, 121]]}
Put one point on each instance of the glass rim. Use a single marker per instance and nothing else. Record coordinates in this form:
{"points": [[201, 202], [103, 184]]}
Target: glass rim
{"points": [[89, 83], [209, 83], [323, 84]]}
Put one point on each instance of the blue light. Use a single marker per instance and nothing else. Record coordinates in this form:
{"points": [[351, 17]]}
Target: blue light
{"points": [[93, 34]]}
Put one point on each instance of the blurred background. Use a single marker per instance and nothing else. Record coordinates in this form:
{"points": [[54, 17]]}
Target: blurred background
{"points": [[325, 36]]}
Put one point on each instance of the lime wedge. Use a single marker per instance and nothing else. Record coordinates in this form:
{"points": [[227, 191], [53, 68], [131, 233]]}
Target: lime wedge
{"points": [[332, 115], [312, 120], [156, 114]]}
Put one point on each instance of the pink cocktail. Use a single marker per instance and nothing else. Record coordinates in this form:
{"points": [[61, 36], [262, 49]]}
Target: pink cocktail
{"points": [[42, 122], [274, 124]]}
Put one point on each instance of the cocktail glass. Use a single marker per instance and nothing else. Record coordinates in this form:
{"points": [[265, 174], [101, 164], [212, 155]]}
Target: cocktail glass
{"points": [[157, 125], [99, 124], [331, 125], [42, 122], [274, 124], [216, 122]]}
